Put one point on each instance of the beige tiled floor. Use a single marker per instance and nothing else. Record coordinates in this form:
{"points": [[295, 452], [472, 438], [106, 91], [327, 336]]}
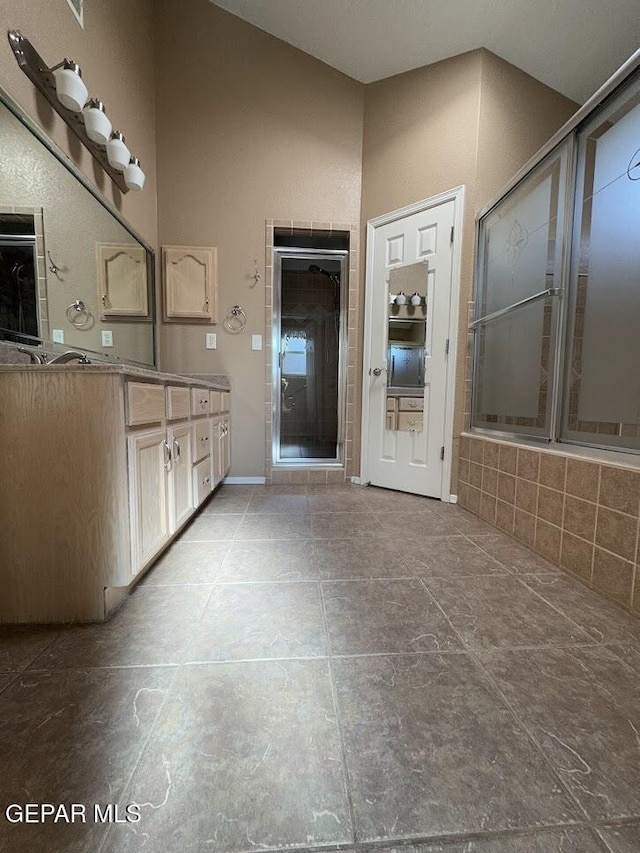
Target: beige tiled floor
{"points": [[326, 668]]}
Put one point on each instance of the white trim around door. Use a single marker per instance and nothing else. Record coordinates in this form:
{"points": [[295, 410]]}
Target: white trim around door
{"points": [[457, 196]]}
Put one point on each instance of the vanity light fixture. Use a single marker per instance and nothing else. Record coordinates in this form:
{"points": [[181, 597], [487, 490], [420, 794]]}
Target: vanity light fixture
{"points": [[62, 86], [70, 88], [96, 121], [117, 152], [133, 175]]}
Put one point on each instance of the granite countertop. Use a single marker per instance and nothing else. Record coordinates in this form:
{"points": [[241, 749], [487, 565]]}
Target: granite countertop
{"points": [[221, 383]]}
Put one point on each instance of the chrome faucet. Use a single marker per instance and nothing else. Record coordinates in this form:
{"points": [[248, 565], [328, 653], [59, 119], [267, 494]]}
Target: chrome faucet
{"points": [[36, 357], [70, 355]]}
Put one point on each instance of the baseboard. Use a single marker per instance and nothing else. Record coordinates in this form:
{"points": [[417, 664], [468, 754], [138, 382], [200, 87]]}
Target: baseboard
{"points": [[245, 481]]}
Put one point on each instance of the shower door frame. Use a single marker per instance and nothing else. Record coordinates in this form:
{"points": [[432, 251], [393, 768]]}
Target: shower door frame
{"points": [[281, 253]]}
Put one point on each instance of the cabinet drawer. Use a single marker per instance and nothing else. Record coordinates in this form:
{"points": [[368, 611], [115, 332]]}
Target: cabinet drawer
{"points": [[202, 481], [145, 403], [410, 421], [215, 402], [201, 440], [411, 404], [225, 397], [178, 403], [199, 401]]}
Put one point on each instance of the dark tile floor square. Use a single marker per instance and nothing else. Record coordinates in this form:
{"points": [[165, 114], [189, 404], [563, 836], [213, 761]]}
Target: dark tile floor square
{"points": [[499, 610], [431, 749], [244, 755], [378, 616], [582, 706], [305, 654]]}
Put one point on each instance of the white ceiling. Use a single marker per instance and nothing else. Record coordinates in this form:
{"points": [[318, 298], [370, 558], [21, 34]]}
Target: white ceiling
{"points": [[571, 45]]}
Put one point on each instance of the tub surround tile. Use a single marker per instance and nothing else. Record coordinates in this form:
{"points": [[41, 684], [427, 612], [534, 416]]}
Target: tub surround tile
{"points": [[576, 555], [617, 532], [620, 489], [583, 479], [613, 575], [553, 471], [528, 464], [580, 518]]}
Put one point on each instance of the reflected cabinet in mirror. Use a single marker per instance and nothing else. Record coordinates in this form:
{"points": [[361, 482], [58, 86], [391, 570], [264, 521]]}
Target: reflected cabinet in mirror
{"points": [[71, 269], [406, 337]]}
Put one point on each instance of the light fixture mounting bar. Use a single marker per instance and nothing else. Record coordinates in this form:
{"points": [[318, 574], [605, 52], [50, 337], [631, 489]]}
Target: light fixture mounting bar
{"points": [[36, 69]]}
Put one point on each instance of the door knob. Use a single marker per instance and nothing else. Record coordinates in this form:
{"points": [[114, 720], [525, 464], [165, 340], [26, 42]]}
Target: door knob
{"points": [[377, 371]]}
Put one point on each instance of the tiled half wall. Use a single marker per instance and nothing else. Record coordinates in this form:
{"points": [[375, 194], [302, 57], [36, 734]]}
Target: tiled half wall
{"points": [[580, 514]]}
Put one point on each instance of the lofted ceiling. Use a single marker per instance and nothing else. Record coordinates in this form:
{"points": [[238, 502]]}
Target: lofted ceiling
{"points": [[571, 45]]}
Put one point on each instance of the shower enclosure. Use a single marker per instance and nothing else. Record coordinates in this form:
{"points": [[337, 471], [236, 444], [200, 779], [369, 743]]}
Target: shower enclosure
{"points": [[309, 337]]}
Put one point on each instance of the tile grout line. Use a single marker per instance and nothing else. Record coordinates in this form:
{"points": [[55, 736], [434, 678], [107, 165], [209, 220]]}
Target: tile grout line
{"points": [[143, 749], [473, 653], [525, 729], [334, 696]]}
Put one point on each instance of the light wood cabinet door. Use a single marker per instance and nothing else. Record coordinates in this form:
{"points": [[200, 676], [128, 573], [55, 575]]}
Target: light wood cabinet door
{"points": [[149, 510], [122, 280], [226, 447], [190, 283], [180, 479]]}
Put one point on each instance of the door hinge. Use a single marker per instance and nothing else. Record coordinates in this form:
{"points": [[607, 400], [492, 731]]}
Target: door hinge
{"points": [[451, 237], [446, 347], [442, 453]]}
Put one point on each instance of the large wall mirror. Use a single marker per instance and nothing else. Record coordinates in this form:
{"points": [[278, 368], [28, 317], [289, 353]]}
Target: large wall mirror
{"points": [[71, 271]]}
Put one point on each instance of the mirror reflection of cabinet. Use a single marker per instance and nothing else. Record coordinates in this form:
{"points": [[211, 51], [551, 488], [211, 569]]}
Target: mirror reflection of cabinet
{"points": [[406, 347], [122, 280], [190, 283]]}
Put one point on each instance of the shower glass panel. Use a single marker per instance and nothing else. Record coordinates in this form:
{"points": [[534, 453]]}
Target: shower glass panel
{"points": [[308, 340], [602, 398]]}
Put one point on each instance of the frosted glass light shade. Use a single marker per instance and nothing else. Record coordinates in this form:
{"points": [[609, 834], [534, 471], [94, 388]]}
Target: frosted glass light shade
{"points": [[118, 154], [71, 91], [133, 175], [97, 122]]}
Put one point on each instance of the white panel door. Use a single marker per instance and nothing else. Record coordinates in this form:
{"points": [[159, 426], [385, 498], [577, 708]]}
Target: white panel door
{"points": [[406, 369]]}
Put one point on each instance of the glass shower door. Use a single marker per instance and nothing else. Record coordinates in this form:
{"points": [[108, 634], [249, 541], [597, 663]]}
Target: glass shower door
{"points": [[309, 332]]}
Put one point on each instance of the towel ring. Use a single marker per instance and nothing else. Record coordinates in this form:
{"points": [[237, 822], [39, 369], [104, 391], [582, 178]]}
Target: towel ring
{"points": [[78, 314], [236, 320]]}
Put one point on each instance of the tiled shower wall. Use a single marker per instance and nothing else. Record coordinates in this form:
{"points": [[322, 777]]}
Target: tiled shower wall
{"points": [[579, 514], [315, 474]]}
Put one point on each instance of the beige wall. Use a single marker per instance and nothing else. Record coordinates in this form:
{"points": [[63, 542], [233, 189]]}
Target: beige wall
{"points": [[115, 52], [249, 129], [472, 119]]}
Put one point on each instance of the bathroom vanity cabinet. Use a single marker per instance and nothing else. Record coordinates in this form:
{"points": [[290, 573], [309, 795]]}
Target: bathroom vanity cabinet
{"points": [[104, 465]]}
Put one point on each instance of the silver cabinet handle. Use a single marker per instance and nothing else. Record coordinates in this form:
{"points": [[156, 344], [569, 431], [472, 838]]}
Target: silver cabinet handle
{"points": [[176, 449], [206, 481], [167, 454], [413, 405], [204, 438], [204, 402]]}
